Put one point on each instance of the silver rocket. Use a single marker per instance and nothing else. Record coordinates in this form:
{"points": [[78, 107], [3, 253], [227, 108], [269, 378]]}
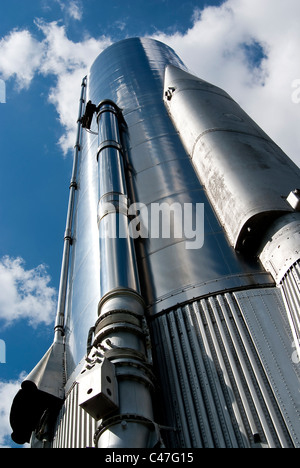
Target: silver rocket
{"points": [[178, 318]]}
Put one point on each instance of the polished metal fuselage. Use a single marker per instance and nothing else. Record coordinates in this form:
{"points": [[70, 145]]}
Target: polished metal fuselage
{"points": [[215, 316], [131, 73], [207, 307]]}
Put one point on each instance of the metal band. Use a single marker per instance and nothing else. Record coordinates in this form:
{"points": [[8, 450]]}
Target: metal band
{"points": [[121, 353], [117, 318], [121, 326], [112, 203], [109, 144], [119, 419]]}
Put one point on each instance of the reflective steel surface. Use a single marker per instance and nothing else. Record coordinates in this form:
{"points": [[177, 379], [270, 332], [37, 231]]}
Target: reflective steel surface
{"points": [[131, 74], [172, 296], [246, 175], [217, 360]]}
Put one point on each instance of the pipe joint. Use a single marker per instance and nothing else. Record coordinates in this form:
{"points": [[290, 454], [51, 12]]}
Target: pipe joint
{"points": [[110, 106], [73, 184], [112, 203]]}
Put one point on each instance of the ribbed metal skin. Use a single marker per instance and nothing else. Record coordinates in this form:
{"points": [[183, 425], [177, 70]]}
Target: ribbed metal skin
{"points": [[75, 428], [214, 379], [290, 287]]}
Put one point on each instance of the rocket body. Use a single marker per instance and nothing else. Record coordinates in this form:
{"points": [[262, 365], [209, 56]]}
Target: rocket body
{"points": [[173, 274]]}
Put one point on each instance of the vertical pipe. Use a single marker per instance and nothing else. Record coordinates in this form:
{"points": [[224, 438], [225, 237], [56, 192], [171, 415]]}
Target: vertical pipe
{"points": [[116, 245], [60, 315], [120, 329]]}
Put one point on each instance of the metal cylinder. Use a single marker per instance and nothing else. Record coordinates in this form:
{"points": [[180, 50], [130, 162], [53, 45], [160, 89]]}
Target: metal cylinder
{"points": [[116, 246], [246, 175], [121, 308], [165, 277], [62, 293]]}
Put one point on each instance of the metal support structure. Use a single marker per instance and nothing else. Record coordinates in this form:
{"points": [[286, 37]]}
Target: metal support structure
{"points": [[60, 316], [36, 405]]}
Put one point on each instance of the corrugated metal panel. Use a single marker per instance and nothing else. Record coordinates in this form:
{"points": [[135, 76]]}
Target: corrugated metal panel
{"points": [[216, 390], [266, 319], [290, 287], [75, 428]]}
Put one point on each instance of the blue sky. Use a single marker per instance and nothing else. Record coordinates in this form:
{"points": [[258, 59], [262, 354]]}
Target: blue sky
{"points": [[250, 48]]}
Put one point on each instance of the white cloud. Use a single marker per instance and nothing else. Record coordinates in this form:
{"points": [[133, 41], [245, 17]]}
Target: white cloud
{"points": [[8, 391], [63, 98], [69, 62], [25, 294], [217, 48], [22, 56], [73, 8]]}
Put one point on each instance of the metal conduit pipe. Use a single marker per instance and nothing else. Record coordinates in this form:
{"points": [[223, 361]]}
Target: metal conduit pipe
{"points": [[120, 348], [36, 405], [60, 315]]}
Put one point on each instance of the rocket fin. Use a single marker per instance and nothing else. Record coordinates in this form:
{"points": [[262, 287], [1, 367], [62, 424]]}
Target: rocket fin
{"points": [[41, 391]]}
